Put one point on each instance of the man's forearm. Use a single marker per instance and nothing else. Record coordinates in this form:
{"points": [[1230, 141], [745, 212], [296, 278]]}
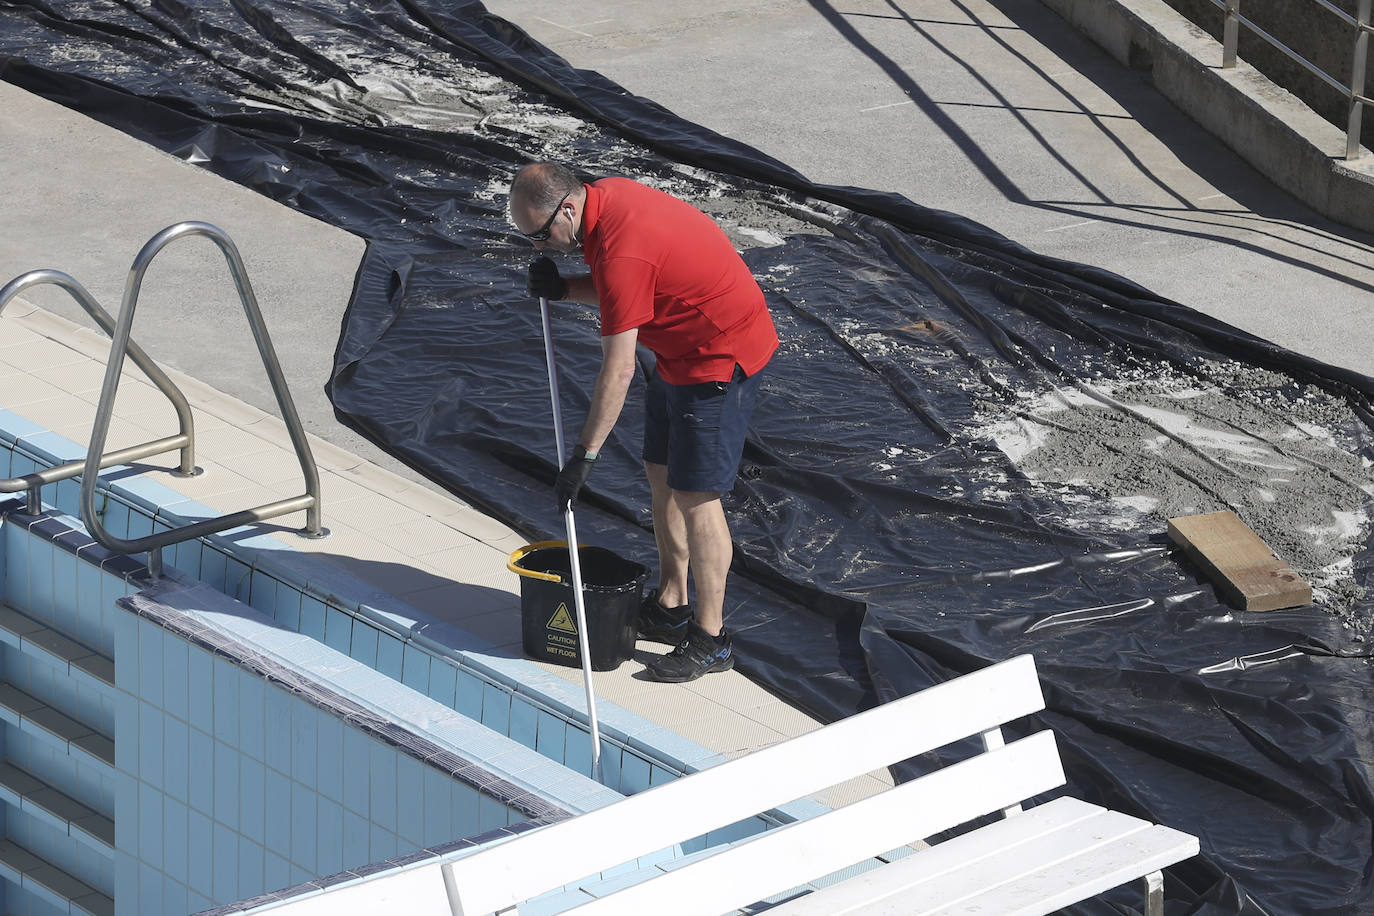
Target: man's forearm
{"points": [[612, 384], [581, 289]]}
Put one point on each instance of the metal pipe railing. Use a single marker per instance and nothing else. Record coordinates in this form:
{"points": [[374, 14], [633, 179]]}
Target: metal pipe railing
{"points": [[1233, 20], [153, 543], [185, 440]]}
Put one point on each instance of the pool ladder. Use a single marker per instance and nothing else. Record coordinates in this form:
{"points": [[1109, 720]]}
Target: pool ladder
{"points": [[88, 469]]}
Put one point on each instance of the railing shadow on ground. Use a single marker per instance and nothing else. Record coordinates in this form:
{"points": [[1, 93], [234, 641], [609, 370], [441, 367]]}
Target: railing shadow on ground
{"points": [[1267, 210]]}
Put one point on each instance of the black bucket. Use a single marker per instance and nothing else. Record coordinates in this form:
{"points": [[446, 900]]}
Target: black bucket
{"points": [[612, 589]]}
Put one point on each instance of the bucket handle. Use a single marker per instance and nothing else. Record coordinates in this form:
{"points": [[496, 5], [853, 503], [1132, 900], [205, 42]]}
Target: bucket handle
{"points": [[518, 555]]}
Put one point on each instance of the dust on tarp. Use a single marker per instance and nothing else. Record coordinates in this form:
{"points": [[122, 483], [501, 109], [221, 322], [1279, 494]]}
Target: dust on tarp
{"points": [[964, 450]]}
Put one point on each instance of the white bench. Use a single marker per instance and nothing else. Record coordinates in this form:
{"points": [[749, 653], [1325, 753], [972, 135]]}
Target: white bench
{"points": [[1034, 861], [1027, 862]]}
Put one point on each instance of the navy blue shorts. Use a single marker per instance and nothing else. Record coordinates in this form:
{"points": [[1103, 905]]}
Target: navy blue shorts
{"points": [[698, 430]]}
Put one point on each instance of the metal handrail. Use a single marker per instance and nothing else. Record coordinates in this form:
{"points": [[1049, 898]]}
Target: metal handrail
{"points": [[1355, 91], [185, 440], [153, 543]]}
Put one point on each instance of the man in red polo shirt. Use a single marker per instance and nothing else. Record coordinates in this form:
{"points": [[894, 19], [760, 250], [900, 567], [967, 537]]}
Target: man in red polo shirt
{"points": [[663, 274]]}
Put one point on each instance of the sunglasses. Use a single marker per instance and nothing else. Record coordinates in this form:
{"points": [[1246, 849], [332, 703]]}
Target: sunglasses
{"points": [[542, 233]]}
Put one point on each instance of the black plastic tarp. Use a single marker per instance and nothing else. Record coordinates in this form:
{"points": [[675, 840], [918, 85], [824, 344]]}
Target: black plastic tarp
{"points": [[889, 532]]}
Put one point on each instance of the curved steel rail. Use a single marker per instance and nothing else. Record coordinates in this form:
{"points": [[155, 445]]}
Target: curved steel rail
{"points": [[153, 543], [184, 440]]}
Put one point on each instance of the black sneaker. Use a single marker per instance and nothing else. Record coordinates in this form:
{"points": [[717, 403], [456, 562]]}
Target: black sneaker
{"points": [[700, 653], [657, 623]]}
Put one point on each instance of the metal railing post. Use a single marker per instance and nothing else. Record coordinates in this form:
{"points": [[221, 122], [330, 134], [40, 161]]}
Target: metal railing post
{"points": [[1230, 34], [308, 502], [1357, 71]]}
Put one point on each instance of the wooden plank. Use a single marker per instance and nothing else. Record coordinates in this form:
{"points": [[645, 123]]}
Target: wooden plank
{"points": [[1244, 569]]}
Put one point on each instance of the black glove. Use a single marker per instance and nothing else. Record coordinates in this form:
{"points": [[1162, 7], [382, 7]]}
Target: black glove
{"points": [[544, 280], [572, 478]]}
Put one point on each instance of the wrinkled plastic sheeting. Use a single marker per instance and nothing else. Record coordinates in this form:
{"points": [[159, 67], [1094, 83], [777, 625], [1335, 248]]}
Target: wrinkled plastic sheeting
{"points": [[884, 541]]}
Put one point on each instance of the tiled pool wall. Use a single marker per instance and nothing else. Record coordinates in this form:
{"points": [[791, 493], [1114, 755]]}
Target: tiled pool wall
{"points": [[300, 826], [304, 594], [188, 769]]}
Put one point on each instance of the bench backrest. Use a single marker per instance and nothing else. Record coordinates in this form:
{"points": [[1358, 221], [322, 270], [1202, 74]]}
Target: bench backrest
{"points": [[500, 877]]}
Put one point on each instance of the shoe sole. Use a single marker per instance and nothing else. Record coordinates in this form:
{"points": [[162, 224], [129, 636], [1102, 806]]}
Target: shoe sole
{"points": [[726, 665]]}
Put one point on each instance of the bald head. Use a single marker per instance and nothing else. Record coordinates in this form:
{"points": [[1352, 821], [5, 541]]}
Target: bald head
{"points": [[540, 185]]}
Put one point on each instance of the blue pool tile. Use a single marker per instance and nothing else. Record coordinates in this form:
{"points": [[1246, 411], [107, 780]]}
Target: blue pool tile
{"points": [[491, 814], [90, 620], [470, 692], [113, 516], [496, 709], [634, 774], [252, 792], [66, 611], [438, 808], [175, 676], [176, 759], [355, 764], [288, 606], [201, 784], [175, 897], [226, 855], [329, 838], [227, 785], [200, 688], [382, 790], [150, 675], [252, 869], [410, 808], [262, 592], [464, 809], [276, 871], [390, 654], [278, 812], [175, 821], [312, 617], [15, 558], [355, 840], [140, 524], [213, 564], [304, 811], [659, 775], [443, 682], [416, 669], [40, 597], [185, 556], [150, 822], [253, 716], [278, 736], [150, 896], [329, 757], [227, 676], [552, 730], [338, 628], [577, 751], [238, 579], [363, 647], [150, 744], [611, 755], [524, 722], [383, 843], [200, 853], [305, 723]]}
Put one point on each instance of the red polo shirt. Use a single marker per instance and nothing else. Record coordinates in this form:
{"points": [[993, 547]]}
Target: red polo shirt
{"points": [[662, 266]]}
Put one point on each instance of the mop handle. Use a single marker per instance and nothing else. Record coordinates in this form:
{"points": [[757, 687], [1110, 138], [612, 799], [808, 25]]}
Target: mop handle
{"points": [[583, 643]]}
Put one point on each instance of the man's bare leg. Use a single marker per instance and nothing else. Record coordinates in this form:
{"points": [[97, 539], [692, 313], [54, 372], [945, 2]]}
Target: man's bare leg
{"points": [[670, 533], [710, 552]]}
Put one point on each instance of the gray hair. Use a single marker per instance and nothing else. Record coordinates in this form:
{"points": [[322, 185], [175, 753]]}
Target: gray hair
{"points": [[543, 184]]}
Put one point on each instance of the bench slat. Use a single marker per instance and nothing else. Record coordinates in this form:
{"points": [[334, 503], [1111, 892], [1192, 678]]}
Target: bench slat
{"points": [[788, 856], [1053, 856], [559, 854]]}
